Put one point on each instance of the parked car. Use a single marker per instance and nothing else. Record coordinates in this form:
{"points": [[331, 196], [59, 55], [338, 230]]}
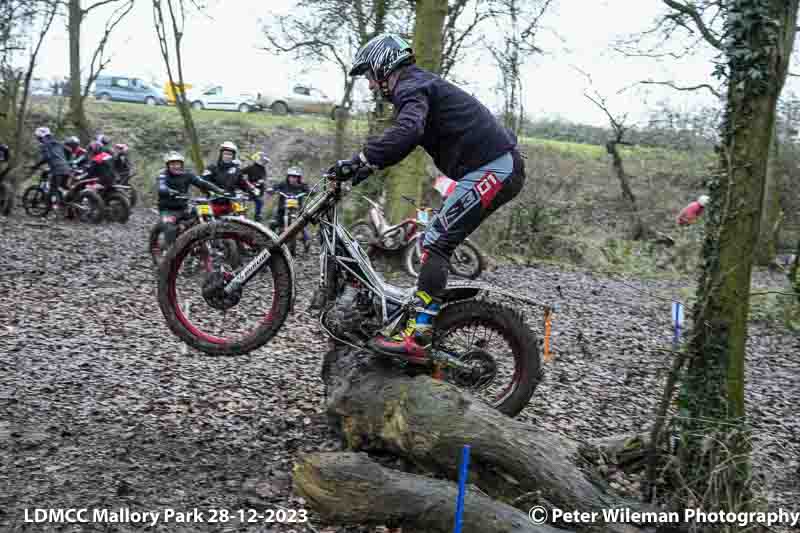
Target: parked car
{"points": [[217, 97], [301, 99], [126, 89]]}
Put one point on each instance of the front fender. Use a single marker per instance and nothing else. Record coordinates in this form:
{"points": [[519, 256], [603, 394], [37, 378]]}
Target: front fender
{"points": [[271, 235]]}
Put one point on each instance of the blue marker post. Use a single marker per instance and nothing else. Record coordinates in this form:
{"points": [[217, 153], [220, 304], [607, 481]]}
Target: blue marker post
{"points": [[462, 484], [677, 322]]}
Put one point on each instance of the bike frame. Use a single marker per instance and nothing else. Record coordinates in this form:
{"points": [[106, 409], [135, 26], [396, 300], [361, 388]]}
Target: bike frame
{"points": [[325, 210]]}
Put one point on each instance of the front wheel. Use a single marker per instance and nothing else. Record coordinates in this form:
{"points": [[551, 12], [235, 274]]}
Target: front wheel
{"points": [[191, 281], [91, 208], [118, 209], [501, 351], [36, 201], [6, 199]]}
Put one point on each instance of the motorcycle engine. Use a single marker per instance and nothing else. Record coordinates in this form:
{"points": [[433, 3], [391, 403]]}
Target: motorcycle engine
{"points": [[352, 313]]}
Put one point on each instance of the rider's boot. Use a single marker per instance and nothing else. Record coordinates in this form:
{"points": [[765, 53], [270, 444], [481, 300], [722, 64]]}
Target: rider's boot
{"points": [[411, 342]]}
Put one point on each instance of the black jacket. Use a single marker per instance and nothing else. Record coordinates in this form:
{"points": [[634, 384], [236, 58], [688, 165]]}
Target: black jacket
{"points": [[255, 174], [458, 132], [227, 176], [179, 183], [284, 187]]}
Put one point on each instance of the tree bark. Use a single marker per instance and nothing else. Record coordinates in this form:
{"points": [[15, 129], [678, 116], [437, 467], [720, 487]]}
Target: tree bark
{"points": [[180, 96], [407, 178], [770, 211], [342, 116], [76, 108], [638, 229], [714, 448], [376, 406], [350, 488]]}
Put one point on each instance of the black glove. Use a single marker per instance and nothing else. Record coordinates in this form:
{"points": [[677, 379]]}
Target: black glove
{"points": [[351, 169]]}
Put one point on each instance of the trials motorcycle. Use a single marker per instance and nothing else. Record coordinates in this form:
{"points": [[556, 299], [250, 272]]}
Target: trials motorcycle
{"points": [[223, 309]]}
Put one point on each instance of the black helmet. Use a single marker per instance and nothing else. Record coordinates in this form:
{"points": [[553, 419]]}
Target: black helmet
{"points": [[383, 54], [72, 141]]}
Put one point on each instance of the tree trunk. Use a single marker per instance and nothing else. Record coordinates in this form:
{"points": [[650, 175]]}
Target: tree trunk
{"points": [[638, 228], [407, 177], [349, 488], [714, 447], [770, 211], [76, 110], [342, 116], [376, 406]]}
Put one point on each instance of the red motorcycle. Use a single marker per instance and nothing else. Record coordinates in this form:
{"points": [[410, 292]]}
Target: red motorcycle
{"points": [[378, 237]]}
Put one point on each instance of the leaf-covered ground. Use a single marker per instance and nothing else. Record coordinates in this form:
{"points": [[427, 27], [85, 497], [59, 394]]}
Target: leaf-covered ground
{"points": [[102, 407]]}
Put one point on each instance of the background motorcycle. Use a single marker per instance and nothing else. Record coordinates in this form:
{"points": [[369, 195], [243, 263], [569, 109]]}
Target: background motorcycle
{"points": [[81, 202], [199, 211], [291, 209], [467, 260]]}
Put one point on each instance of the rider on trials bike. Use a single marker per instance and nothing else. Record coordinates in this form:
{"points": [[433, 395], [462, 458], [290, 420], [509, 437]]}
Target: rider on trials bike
{"points": [[465, 141], [173, 187]]}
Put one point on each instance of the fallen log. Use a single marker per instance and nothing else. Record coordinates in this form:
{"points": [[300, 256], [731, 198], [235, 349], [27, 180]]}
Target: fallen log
{"points": [[350, 488], [376, 406]]}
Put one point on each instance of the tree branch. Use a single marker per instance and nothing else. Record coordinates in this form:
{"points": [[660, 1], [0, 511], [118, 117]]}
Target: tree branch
{"points": [[679, 88], [691, 12], [97, 4], [97, 58]]}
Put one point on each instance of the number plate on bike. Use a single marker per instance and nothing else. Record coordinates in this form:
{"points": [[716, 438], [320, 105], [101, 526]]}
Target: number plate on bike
{"points": [[238, 208], [422, 216], [203, 210], [292, 202]]}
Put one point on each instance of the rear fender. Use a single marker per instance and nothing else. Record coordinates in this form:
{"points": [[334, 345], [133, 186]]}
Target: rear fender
{"points": [[273, 237]]}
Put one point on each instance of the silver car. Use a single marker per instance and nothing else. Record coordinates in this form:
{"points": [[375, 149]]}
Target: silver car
{"points": [[301, 99], [217, 98]]}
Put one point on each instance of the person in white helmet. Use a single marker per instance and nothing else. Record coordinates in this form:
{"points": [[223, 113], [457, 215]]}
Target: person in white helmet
{"points": [[693, 211], [226, 173], [53, 155], [173, 187]]}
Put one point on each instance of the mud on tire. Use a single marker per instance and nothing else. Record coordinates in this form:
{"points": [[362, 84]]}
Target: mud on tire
{"points": [[277, 267]]}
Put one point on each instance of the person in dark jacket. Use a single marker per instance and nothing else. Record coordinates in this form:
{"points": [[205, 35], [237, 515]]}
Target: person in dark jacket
{"points": [[100, 165], [173, 183], [256, 174], [75, 153], [226, 173], [466, 142], [53, 155], [292, 185]]}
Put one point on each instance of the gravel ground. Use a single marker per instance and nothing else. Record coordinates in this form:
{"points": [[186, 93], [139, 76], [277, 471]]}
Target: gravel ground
{"points": [[102, 407]]}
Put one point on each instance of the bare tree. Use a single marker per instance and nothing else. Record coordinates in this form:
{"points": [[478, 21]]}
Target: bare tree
{"points": [[520, 20], [16, 82], [619, 128], [75, 18], [177, 20]]}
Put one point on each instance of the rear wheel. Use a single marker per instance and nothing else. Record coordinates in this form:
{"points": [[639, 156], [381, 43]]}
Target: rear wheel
{"points": [[467, 261], [191, 280], [500, 349]]}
